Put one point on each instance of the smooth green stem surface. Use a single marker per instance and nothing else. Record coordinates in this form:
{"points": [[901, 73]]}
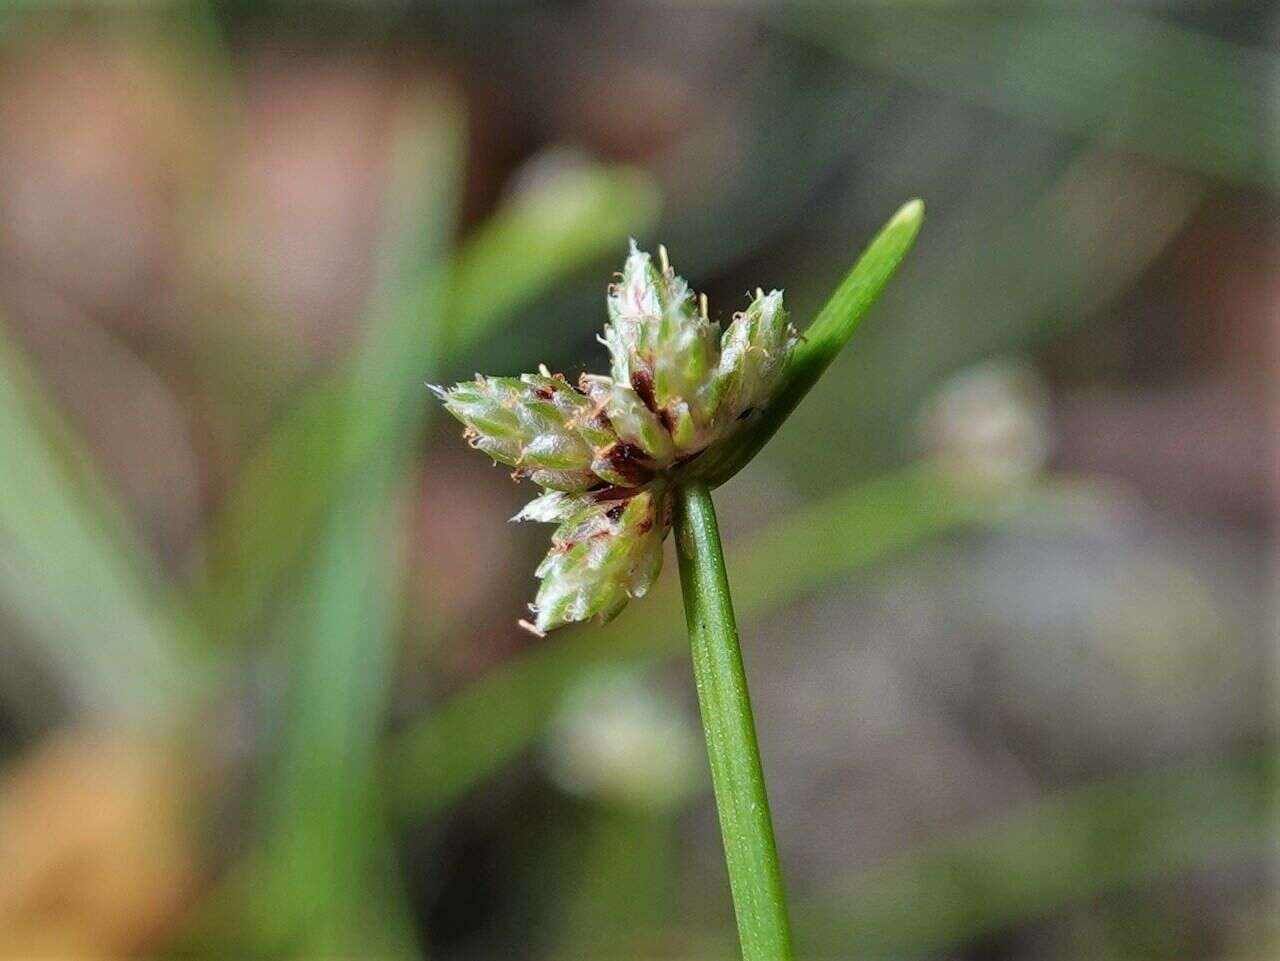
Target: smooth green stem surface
{"points": [[750, 852]]}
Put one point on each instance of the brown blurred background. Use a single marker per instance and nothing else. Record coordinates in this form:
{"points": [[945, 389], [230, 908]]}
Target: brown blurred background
{"points": [[1004, 578]]}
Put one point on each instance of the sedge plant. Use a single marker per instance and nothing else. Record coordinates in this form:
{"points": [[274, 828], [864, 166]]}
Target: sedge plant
{"points": [[624, 458]]}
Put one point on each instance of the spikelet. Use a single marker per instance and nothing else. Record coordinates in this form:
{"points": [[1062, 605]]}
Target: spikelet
{"points": [[601, 556], [753, 354], [661, 345]]}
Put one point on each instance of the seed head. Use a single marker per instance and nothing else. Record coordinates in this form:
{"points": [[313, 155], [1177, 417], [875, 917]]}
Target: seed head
{"points": [[609, 450]]}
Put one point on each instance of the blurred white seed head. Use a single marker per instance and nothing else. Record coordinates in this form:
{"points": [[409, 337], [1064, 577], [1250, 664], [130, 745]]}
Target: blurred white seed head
{"points": [[989, 425], [620, 740]]}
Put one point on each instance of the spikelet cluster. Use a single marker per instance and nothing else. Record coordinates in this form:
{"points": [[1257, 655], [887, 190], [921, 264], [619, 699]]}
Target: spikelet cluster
{"points": [[608, 449]]}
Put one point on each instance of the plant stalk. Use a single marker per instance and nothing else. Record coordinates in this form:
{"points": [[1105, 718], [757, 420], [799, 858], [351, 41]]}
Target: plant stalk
{"points": [[751, 855]]}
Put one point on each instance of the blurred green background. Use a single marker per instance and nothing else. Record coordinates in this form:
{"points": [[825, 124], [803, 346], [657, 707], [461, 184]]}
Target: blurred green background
{"points": [[1002, 579]]}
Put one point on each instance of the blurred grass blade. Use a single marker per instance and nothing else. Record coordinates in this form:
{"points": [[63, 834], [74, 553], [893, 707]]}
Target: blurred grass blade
{"points": [[1067, 849], [72, 571], [566, 218], [1070, 848], [826, 336], [272, 514], [324, 826], [1126, 78], [619, 885], [503, 713], [315, 891], [291, 485]]}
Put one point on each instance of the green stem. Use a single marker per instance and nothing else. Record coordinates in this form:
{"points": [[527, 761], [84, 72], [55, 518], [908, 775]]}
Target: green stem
{"points": [[745, 824]]}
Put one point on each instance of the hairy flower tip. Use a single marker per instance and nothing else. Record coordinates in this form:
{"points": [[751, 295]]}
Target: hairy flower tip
{"points": [[753, 355], [537, 423], [662, 345], [602, 556]]}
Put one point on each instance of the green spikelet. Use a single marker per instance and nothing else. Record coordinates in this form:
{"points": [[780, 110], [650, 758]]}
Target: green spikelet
{"points": [[662, 346], [601, 556], [753, 354], [536, 423]]}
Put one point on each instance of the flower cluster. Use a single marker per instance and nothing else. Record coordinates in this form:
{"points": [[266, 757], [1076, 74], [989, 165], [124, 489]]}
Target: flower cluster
{"points": [[609, 449]]}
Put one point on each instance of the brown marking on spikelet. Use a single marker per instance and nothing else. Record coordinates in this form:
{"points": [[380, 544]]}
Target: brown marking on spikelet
{"points": [[642, 384], [611, 492], [628, 461]]}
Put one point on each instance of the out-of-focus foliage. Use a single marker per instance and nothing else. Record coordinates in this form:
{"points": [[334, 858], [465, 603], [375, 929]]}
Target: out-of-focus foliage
{"points": [[261, 689]]}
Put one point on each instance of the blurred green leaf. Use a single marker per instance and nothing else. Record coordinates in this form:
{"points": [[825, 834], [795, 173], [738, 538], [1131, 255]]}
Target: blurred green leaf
{"points": [[323, 829], [1077, 845], [324, 813], [1126, 78], [73, 571], [619, 884], [565, 218], [498, 716]]}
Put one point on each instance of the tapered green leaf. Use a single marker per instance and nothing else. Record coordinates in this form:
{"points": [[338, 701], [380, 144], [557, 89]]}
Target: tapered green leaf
{"points": [[315, 887], [821, 341]]}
